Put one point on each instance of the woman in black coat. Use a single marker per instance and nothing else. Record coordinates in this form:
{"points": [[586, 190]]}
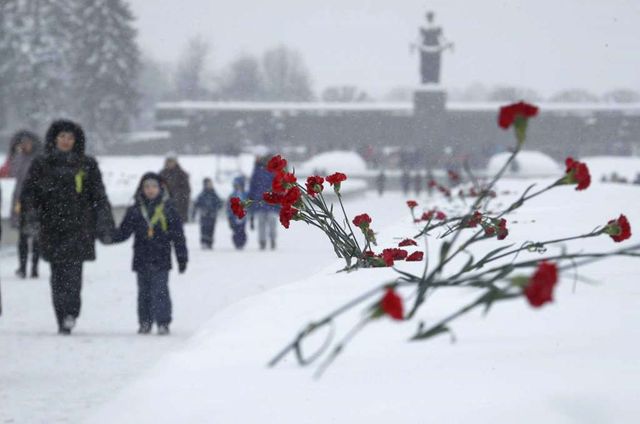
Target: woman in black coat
{"points": [[64, 189]]}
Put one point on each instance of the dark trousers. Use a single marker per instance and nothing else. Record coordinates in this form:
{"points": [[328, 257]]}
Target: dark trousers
{"points": [[207, 227], [66, 284], [239, 235], [154, 303], [23, 252]]}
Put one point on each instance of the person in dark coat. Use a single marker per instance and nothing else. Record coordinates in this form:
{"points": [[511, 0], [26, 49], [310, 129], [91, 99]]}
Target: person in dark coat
{"points": [[208, 204], [266, 214], [177, 181], [405, 181], [237, 225], [64, 190], [156, 225], [27, 147], [381, 181]]}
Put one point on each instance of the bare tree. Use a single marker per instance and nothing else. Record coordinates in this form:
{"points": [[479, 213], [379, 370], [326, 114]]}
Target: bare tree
{"points": [[286, 77], [623, 95], [242, 80], [512, 94], [189, 79], [345, 94], [574, 95]]}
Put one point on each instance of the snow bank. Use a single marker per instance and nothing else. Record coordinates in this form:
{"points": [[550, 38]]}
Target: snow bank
{"points": [[575, 360], [527, 164], [627, 167], [336, 161]]}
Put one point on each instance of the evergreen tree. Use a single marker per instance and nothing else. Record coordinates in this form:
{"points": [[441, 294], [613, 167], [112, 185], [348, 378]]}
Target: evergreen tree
{"points": [[9, 47], [106, 63], [41, 35]]}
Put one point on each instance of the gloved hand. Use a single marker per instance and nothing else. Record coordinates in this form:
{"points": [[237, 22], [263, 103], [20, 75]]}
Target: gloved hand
{"points": [[105, 238], [182, 267]]}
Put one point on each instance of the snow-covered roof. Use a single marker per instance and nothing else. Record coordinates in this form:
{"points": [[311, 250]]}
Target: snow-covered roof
{"points": [[286, 106], [549, 107], [405, 107], [142, 136]]}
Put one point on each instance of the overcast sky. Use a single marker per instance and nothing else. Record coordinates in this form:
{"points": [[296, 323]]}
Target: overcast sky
{"points": [[542, 44]]}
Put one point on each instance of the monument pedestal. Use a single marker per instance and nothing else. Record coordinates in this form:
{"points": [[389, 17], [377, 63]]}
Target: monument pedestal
{"points": [[429, 99], [429, 117]]}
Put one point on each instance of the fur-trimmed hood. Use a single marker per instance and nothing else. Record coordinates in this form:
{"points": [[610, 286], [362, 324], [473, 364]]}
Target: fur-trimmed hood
{"points": [[64, 125]]}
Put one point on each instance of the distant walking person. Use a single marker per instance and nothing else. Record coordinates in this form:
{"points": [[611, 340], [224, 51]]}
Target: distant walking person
{"points": [[381, 181], [266, 214], [237, 225], [27, 146], [156, 225], [417, 183], [64, 189], [207, 205], [177, 181], [405, 181]]}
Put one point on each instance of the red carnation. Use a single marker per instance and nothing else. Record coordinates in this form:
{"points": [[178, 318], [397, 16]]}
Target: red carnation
{"points": [[387, 257], [474, 220], [412, 204], [336, 178], [502, 230], [416, 256], [276, 164], [509, 114], [282, 181], [272, 198], [291, 196], [440, 216], [287, 213], [391, 304], [619, 229], [577, 173], [407, 242], [362, 220], [539, 289], [395, 253], [237, 207], [427, 215], [314, 185]]}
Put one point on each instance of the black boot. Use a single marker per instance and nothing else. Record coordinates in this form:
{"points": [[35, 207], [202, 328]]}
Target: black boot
{"points": [[263, 245], [21, 273]]}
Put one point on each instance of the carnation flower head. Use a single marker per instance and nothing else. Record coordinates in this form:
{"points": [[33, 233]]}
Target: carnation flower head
{"points": [[391, 304], [577, 173], [619, 229], [237, 207], [539, 288], [362, 220], [276, 164], [416, 256], [314, 185]]}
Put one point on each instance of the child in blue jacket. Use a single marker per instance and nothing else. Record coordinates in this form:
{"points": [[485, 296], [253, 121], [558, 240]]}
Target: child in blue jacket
{"points": [[207, 204], [237, 225], [156, 225]]}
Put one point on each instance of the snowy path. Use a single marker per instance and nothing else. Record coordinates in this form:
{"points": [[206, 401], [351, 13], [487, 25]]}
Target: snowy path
{"points": [[46, 378]]}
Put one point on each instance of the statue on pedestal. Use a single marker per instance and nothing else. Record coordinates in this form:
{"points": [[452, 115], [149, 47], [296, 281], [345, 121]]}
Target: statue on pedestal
{"points": [[431, 43]]}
